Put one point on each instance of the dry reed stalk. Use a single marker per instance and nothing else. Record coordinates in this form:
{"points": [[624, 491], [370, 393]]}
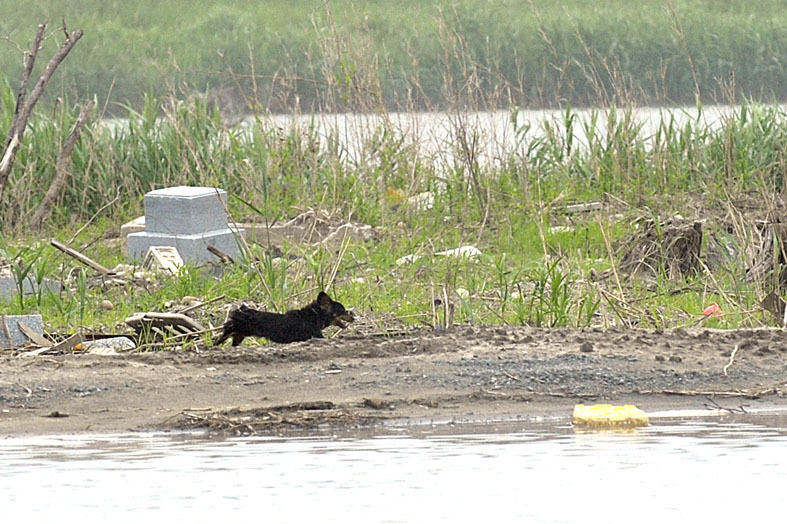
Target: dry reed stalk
{"points": [[62, 168]]}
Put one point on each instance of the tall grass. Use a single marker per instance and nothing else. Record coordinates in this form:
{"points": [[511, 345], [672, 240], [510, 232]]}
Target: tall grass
{"points": [[539, 260]]}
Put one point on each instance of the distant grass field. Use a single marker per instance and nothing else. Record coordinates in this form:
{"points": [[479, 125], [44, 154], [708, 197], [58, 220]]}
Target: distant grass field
{"points": [[331, 55]]}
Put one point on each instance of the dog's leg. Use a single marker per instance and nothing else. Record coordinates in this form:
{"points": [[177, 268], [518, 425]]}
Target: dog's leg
{"points": [[219, 341]]}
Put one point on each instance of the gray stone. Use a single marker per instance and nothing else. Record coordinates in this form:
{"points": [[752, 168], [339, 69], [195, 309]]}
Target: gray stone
{"points": [[9, 289], [135, 226], [18, 338], [189, 219], [192, 248], [185, 210]]}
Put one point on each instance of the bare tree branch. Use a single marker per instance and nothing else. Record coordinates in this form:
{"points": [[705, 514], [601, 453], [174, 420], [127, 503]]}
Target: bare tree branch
{"points": [[62, 168], [26, 104], [30, 59]]}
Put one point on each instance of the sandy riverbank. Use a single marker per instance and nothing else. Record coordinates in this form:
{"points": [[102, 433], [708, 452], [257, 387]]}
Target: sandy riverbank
{"points": [[464, 374]]}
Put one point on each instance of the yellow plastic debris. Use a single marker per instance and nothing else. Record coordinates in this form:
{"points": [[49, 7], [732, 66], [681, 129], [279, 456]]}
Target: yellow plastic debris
{"points": [[609, 416]]}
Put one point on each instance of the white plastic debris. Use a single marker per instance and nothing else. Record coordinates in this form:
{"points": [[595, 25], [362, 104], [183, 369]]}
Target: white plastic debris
{"points": [[463, 251]]}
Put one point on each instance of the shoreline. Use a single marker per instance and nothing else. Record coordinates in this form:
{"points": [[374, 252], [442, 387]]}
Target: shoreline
{"points": [[466, 375]]}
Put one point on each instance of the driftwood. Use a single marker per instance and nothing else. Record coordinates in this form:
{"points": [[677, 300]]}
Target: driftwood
{"points": [[25, 104]]}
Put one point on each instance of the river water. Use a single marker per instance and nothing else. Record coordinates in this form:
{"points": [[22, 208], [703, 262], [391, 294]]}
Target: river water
{"points": [[701, 470], [492, 136]]}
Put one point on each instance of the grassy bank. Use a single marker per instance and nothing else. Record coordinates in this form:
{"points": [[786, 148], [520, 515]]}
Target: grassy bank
{"points": [[339, 55], [541, 263]]}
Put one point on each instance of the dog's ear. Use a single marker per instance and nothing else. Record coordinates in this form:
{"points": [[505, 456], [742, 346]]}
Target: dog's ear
{"points": [[323, 300]]}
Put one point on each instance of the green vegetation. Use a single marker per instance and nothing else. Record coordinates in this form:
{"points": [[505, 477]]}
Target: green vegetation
{"points": [[339, 54], [542, 263]]}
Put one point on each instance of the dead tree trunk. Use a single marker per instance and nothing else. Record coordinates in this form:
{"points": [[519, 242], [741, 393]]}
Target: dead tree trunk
{"points": [[25, 104], [62, 168]]}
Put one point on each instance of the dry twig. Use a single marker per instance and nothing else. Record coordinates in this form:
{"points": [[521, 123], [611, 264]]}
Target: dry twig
{"points": [[732, 358], [61, 168]]}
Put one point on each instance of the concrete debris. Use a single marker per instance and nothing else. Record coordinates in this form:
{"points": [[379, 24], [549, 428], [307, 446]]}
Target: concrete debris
{"points": [[108, 346], [21, 330], [9, 287], [163, 258]]}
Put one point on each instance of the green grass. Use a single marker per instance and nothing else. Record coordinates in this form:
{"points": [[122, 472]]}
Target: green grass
{"points": [[540, 265], [342, 55]]}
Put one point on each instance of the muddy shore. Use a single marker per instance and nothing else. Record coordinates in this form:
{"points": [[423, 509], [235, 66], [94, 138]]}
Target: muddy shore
{"points": [[463, 374]]}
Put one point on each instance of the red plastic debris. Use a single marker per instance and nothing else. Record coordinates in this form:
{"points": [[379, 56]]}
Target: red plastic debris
{"points": [[713, 310]]}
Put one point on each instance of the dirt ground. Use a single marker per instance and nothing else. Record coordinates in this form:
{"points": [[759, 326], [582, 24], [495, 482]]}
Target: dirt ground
{"points": [[467, 374]]}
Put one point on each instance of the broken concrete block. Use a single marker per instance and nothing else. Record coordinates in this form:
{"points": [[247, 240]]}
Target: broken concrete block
{"points": [[163, 258], [108, 346], [13, 335], [188, 219], [8, 287]]}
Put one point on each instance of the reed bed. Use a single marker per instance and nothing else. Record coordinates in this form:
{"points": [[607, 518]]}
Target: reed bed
{"points": [[281, 56]]}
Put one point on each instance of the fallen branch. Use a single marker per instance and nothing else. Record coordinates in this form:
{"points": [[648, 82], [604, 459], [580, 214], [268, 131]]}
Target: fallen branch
{"points": [[690, 393], [82, 258], [224, 257]]}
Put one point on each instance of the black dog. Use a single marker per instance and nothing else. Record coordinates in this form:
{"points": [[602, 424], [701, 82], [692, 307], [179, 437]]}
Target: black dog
{"points": [[292, 326]]}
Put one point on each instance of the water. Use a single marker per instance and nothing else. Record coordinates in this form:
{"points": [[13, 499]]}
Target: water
{"points": [[433, 137], [701, 471]]}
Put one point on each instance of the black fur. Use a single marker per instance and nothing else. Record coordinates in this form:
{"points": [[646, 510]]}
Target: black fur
{"points": [[292, 326]]}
